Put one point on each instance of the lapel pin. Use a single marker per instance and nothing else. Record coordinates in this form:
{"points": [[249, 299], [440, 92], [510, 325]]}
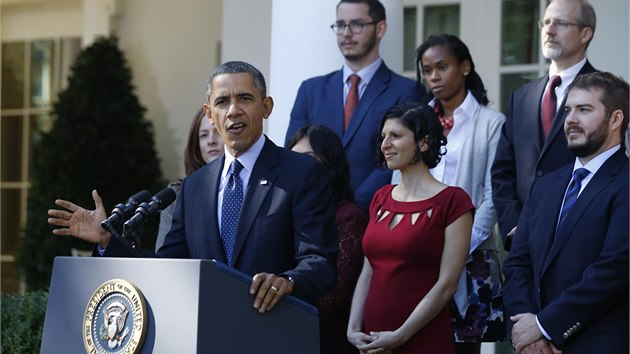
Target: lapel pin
{"points": [[263, 182]]}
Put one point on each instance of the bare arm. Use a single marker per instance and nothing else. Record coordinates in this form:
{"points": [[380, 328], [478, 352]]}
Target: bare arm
{"points": [[355, 324], [73, 220]]}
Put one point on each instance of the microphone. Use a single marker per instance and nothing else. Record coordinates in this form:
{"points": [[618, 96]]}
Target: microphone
{"points": [[159, 201], [122, 212]]}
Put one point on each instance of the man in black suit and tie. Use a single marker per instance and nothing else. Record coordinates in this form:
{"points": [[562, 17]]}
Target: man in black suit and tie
{"points": [[532, 143], [261, 209], [567, 274]]}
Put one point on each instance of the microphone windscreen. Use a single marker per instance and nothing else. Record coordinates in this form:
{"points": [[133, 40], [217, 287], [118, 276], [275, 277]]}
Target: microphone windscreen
{"points": [[140, 197], [165, 197]]}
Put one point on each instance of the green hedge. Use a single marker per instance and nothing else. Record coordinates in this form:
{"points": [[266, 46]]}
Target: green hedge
{"points": [[23, 322]]}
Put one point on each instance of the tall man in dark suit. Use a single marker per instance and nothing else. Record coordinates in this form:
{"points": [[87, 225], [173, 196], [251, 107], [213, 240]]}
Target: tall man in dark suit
{"points": [[529, 149], [285, 235], [329, 100], [567, 273]]}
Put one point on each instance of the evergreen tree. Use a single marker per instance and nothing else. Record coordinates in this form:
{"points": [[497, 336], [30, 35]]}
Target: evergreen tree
{"points": [[100, 140]]}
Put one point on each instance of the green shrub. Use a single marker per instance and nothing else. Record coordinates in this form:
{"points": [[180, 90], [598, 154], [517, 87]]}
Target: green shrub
{"points": [[23, 322], [100, 140]]}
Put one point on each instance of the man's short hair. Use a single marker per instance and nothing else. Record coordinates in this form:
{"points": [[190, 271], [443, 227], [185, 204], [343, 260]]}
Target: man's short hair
{"points": [[376, 9], [237, 67], [614, 93]]}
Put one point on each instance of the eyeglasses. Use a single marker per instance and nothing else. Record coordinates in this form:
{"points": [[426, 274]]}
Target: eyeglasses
{"points": [[559, 24], [355, 27]]}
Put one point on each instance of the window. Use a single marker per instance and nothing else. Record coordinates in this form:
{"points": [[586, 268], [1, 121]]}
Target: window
{"points": [[33, 72], [409, 38], [436, 19], [441, 19], [521, 57]]}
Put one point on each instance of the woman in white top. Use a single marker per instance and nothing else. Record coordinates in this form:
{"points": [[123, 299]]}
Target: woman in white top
{"points": [[472, 130]]}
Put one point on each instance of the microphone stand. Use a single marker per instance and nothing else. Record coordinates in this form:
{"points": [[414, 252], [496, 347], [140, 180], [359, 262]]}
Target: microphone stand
{"points": [[133, 236]]}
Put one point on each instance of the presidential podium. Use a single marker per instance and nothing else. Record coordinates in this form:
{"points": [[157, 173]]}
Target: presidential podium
{"points": [[190, 306]]}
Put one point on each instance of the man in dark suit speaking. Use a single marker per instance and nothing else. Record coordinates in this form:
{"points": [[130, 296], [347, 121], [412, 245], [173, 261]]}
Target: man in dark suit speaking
{"points": [[567, 273], [261, 209]]}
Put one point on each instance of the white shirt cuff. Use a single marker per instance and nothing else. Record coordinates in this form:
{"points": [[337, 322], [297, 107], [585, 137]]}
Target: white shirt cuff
{"points": [[542, 330]]}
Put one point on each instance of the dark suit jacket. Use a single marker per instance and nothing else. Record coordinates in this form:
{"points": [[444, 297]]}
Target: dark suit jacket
{"points": [[287, 223], [577, 281], [522, 156], [320, 101]]}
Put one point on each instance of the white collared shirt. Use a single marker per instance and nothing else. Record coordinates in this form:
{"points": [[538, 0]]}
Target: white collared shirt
{"points": [[446, 169], [366, 74], [567, 76], [248, 160], [593, 165]]}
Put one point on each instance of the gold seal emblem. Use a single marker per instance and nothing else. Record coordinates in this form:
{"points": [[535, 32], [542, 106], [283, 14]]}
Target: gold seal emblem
{"points": [[115, 319]]}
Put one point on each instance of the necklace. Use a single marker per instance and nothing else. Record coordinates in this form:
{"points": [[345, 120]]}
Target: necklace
{"points": [[446, 121]]}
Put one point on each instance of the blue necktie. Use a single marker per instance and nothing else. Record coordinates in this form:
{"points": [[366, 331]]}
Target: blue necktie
{"points": [[231, 208], [572, 193]]}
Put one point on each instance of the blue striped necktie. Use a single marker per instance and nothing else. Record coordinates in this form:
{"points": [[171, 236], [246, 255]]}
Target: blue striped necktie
{"points": [[572, 193]]}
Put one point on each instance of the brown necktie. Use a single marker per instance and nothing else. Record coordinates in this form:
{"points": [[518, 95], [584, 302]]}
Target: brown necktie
{"points": [[548, 108], [351, 100]]}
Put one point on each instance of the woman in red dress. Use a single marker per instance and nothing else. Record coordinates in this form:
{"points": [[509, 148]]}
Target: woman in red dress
{"points": [[415, 244]]}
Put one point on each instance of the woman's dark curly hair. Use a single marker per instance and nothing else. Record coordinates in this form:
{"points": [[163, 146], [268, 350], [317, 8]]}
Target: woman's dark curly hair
{"points": [[328, 149], [422, 120]]}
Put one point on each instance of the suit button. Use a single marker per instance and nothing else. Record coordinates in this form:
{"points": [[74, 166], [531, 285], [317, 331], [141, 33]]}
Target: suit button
{"points": [[538, 290], [539, 173]]}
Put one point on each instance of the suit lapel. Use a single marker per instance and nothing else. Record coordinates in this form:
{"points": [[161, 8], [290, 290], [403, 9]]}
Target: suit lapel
{"points": [[604, 176], [334, 96], [547, 228], [558, 121], [260, 183], [211, 223], [532, 112], [378, 84]]}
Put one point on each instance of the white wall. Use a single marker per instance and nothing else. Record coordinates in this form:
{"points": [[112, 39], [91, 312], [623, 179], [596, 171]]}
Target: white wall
{"points": [[171, 46], [23, 20], [610, 48]]}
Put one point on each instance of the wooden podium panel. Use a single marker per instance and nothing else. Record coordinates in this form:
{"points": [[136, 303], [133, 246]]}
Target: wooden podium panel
{"points": [[193, 306]]}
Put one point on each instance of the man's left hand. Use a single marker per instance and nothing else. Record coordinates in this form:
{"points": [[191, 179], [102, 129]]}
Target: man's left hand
{"points": [[269, 289], [525, 330]]}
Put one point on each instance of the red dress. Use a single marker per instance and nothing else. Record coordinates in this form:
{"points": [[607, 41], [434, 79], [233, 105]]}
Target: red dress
{"points": [[406, 263]]}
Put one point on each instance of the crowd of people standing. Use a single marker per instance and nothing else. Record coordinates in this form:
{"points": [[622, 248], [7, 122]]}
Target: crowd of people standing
{"points": [[409, 261]]}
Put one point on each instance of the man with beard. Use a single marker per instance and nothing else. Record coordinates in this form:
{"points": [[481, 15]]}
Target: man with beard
{"points": [[532, 143], [352, 101], [567, 273]]}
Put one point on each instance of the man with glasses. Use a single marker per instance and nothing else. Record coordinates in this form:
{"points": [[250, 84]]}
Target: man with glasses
{"points": [[532, 142], [352, 101]]}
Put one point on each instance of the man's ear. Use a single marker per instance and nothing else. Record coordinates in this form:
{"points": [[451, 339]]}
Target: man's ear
{"points": [[616, 119], [381, 28], [268, 106]]}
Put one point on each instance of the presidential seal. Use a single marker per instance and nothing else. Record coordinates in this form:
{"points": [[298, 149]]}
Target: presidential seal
{"points": [[115, 319]]}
